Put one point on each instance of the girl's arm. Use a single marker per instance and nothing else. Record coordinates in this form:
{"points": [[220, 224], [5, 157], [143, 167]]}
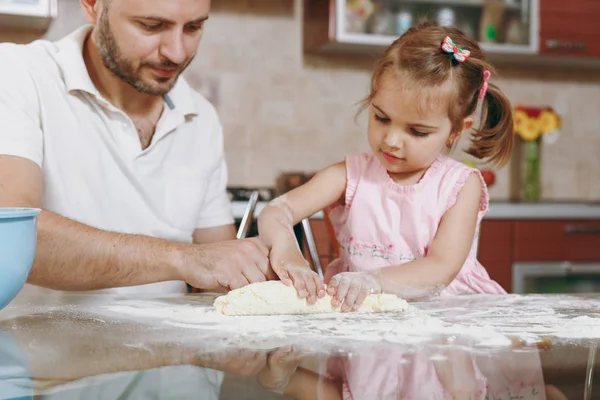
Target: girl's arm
{"points": [[276, 221], [445, 257]]}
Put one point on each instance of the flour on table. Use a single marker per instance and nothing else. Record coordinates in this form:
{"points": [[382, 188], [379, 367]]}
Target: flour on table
{"points": [[480, 322], [275, 298]]}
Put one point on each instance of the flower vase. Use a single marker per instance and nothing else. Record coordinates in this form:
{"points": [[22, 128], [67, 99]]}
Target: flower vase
{"points": [[532, 170]]}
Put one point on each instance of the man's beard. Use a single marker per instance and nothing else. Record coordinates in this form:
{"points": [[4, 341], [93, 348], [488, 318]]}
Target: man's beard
{"points": [[123, 69]]}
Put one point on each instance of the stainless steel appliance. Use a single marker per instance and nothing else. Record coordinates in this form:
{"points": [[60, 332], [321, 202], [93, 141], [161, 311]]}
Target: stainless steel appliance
{"points": [[556, 277]]}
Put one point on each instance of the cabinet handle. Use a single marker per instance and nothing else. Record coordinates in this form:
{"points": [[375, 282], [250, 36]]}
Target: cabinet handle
{"points": [[565, 45], [582, 230], [583, 269]]}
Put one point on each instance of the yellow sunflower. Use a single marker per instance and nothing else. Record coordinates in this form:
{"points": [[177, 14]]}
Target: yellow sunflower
{"points": [[549, 121], [530, 129], [520, 117]]}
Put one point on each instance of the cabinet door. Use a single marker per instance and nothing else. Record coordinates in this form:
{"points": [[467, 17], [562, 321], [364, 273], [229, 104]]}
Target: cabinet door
{"points": [[495, 250], [570, 28], [557, 240]]}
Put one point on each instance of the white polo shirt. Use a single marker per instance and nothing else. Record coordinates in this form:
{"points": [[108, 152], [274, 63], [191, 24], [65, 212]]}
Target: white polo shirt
{"points": [[94, 169]]}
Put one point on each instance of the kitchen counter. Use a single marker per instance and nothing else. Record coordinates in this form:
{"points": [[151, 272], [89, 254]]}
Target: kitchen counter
{"points": [[499, 210], [543, 210], [109, 347]]}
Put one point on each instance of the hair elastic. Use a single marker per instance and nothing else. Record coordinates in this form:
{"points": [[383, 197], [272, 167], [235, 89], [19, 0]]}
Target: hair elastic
{"points": [[484, 87]]}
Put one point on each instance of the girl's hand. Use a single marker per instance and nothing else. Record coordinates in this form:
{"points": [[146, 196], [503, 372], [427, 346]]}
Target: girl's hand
{"points": [[293, 269], [281, 365], [352, 288]]}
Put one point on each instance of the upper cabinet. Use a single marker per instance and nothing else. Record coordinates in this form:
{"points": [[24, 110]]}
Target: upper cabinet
{"points": [[509, 31], [570, 28], [27, 15]]}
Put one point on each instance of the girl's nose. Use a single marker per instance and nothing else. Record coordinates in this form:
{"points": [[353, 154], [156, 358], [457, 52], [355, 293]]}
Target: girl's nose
{"points": [[393, 139]]}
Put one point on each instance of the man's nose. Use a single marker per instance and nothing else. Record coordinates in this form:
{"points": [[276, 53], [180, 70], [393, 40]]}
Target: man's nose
{"points": [[173, 47]]}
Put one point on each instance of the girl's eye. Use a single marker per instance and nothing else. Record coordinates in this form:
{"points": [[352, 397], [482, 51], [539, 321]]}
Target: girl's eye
{"points": [[419, 133], [381, 119]]}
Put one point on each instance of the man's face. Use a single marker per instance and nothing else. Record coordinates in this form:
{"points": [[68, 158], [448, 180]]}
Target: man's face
{"points": [[148, 43]]}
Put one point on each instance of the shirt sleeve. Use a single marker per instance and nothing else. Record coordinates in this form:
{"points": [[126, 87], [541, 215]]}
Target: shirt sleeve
{"points": [[216, 210], [20, 131]]}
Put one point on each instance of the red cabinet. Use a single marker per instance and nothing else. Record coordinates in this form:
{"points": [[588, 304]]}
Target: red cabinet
{"points": [[496, 250], [560, 240], [570, 28]]}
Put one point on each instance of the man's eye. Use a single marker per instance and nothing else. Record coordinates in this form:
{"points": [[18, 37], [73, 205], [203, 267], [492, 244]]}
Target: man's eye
{"points": [[150, 27], [194, 28]]}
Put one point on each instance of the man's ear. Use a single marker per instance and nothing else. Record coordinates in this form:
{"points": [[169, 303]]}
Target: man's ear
{"points": [[91, 10]]}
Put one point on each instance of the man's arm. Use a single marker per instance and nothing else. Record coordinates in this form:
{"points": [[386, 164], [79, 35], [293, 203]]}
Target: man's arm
{"points": [[74, 256], [216, 234]]}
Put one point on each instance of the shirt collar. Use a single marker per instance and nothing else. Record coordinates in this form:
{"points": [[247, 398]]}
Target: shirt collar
{"points": [[76, 76]]}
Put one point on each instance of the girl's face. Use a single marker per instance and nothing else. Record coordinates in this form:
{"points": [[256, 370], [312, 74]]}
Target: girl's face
{"points": [[409, 127]]}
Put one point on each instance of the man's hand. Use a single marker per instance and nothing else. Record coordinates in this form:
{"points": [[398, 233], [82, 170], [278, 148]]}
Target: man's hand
{"points": [[230, 264]]}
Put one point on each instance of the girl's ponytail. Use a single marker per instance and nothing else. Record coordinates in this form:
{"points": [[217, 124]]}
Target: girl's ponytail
{"points": [[494, 140]]}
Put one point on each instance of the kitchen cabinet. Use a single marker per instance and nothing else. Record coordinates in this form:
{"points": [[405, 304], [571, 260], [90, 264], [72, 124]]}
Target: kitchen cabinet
{"points": [[570, 28], [501, 26], [571, 240], [27, 15], [511, 32], [555, 247], [496, 242]]}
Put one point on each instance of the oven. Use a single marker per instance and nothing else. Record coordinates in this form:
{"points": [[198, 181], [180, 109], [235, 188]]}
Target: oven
{"points": [[556, 277]]}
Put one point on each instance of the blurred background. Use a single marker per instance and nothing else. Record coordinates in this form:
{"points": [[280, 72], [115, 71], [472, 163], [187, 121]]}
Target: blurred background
{"points": [[285, 77]]}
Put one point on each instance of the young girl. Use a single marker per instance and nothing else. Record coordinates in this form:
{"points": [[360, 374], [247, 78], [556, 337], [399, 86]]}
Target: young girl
{"points": [[406, 217], [405, 214]]}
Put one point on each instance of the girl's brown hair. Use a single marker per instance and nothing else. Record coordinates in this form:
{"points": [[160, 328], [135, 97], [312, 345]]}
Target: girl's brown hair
{"points": [[417, 55]]}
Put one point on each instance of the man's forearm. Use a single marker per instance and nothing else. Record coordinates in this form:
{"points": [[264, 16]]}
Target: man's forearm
{"points": [[74, 256]]}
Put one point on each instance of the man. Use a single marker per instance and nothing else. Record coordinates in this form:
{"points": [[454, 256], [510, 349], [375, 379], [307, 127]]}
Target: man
{"points": [[125, 159]]}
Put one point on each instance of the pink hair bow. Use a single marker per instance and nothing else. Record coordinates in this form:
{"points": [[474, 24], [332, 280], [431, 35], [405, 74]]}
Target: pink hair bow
{"points": [[486, 77], [459, 54]]}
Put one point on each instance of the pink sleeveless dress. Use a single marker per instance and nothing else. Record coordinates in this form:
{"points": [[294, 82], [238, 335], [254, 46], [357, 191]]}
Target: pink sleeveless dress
{"points": [[383, 224]]}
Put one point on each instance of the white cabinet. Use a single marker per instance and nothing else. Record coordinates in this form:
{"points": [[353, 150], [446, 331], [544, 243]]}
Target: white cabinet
{"points": [[513, 33], [507, 30], [27, 15]]}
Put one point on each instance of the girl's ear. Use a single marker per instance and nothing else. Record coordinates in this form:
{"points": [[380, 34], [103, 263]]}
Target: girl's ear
{"points": [[467, 124], [453, 138]]}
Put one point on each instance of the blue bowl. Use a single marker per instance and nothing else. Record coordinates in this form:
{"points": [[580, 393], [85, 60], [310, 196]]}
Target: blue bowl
{"points": [[18, 237]]}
